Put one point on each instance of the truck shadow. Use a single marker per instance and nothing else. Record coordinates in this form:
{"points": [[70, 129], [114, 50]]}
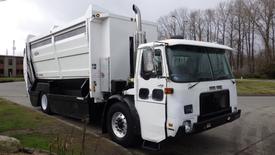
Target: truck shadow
{"points": [[201, 143]]}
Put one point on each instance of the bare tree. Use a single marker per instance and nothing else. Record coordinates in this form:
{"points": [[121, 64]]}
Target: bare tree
{"points": [[193, 25], [166, 28], [245, 25], [200, 25], [273, 35], [181, 18], [264, 14], [209, 20], [239, 27], [223, 15]]}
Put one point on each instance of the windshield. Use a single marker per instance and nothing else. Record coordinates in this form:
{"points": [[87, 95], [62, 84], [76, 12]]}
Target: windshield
{"points": [[193, 64]]}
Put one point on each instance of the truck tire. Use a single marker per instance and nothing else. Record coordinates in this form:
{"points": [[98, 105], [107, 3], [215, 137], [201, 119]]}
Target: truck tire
{"points": [[120, 125], [44, 103]]}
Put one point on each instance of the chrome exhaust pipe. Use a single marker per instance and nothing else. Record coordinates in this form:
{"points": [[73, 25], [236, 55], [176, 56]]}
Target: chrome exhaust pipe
{"points": [[138, 17], [140, 35]]}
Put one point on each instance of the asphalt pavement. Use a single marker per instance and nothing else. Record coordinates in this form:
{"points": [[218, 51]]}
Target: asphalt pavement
{"points": [[253, 133], [16, 92]]}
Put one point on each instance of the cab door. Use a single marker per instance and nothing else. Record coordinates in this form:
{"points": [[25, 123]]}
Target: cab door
{"points": [[150, 98]]}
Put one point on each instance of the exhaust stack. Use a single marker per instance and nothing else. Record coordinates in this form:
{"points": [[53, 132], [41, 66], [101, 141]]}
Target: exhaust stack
{"points": [[140, 35], [138, 17], [138, 39]]}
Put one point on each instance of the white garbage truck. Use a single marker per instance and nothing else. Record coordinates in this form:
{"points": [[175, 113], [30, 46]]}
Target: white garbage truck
{"points": [[112, 68]]}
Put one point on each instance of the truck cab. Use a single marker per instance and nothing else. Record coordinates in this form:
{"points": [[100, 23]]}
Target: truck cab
{"points": [[183, 87]]}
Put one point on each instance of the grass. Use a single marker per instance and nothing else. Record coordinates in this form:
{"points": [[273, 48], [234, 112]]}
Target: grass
{"points": [[10, 79], [39, 131], [255, 87], [14, 118], [34, 140], [25, 125]]}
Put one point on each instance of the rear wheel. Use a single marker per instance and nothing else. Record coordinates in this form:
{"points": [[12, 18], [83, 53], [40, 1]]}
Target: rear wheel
{"points": [[45, 106], [120, 125]]}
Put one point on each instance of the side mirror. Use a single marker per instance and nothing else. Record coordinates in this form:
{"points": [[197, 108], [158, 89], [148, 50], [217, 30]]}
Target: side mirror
{"points": [[158, 62], [148, 63]]}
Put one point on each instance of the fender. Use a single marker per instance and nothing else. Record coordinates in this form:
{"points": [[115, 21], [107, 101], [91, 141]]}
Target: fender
{"points": [[44, 87], [129, 101], [35, 94]]}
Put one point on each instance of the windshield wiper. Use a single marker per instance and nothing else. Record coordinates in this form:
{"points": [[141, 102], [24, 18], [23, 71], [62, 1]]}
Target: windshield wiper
{"points": [[190, 87], [199, 80]]}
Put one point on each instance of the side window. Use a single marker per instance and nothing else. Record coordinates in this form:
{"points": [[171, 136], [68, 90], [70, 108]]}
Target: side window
{"points": [[144, 93]]}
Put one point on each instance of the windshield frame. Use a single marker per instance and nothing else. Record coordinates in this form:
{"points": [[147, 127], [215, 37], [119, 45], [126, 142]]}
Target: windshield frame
{"points": [[203, 49]]}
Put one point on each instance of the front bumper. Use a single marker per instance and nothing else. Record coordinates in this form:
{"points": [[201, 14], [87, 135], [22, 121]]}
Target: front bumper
{"points": [[211, 123]]}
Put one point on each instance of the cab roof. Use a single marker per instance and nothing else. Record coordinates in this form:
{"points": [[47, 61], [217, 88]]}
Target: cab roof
{"points": [[172, 42]]}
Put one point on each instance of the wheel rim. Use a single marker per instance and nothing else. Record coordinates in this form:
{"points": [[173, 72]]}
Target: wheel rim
{"points": [[119, 124], [44, 102]]}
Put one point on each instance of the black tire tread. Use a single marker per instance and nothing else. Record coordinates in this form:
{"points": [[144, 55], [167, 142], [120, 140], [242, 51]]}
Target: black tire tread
{"points": [[130, 138]]}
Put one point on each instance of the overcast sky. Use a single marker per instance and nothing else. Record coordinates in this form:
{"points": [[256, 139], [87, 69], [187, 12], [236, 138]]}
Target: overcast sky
{"points": [[18, 18]]}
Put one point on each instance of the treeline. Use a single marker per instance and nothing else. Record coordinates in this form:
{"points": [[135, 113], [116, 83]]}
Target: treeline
{"points": [[245, 25]]}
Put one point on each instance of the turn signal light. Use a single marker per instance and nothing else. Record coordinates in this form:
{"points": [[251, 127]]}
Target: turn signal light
{"points": [[168, 90]]}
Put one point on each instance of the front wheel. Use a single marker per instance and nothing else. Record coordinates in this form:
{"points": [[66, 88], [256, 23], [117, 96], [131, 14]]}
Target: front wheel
{"points": [[45, 106], [120, 125]]}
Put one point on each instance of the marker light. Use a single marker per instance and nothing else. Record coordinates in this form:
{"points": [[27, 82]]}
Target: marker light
{"points": [[168, 90], [97, 15]]}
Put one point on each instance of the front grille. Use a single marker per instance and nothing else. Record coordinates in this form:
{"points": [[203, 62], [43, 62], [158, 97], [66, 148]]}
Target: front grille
{"points": [[214, 104]]}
